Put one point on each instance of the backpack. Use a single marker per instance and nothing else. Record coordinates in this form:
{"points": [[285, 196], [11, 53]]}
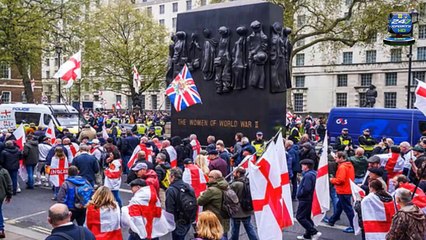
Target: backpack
{"points": [[246, 200], [230, 203], [104, 156], [187, 203], [83, 194]]}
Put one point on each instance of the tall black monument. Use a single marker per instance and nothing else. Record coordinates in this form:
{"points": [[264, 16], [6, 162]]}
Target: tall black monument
{"points": [[234, 78]]}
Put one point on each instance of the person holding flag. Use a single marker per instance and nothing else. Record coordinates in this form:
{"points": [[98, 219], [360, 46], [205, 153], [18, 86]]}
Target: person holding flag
{"points": [[305, 193]]}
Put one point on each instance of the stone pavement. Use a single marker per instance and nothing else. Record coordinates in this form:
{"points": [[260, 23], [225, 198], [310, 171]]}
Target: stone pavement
{"points": [[18, 233]]}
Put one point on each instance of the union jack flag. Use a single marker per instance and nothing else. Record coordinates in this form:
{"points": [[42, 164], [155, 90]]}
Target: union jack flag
{"points": [[182, 91]]}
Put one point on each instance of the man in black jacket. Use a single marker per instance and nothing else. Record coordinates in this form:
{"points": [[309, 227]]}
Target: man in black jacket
{"points": [[173, 203], [31, 156], [305, 193], [161, 169], [9, 159], [60, 219], [87, 164]]}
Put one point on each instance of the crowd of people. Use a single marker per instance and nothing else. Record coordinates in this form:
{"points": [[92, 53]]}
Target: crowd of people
{"points": [[177, 184]]}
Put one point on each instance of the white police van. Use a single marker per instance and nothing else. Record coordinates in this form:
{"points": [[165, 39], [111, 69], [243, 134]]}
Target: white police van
{"points": [[63, 116]]}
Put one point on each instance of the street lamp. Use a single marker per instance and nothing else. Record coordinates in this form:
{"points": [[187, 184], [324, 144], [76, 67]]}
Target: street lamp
{"points": [[415, 18], [58, 50]]}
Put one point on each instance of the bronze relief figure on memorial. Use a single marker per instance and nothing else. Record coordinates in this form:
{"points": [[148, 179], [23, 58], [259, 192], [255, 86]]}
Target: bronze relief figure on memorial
{"points": [[194, 54], [257, 46], [223, 62], [277, 60], [209, 54], [239, 64], [180, 56]]}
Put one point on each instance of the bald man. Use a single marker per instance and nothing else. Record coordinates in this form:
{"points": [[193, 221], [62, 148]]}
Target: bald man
{"points": [[60, 219]]}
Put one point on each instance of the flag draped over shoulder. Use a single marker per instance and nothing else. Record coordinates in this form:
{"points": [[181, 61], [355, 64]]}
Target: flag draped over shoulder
{"points": [[145, 216], [376, 217], [267, 179], [195, 177], [19, 134], [70, 70], [172, 155], [134, 157], [104, 222], [321, 199], [50, 132], [182, 91]]}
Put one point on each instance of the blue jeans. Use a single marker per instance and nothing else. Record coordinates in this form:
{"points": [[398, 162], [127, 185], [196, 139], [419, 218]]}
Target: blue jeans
{"points": [[251, 233], [116, 194], [30, 171], [14, 176], [344, 204], [358, 180], [333, 197], [126, 159]]}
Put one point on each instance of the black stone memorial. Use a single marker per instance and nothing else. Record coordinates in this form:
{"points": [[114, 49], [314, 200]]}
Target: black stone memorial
{"points": [[235, 42]]}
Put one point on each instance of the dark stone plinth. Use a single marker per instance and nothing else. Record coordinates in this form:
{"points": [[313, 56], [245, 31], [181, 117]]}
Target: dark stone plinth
{"points": [[245, 110]]}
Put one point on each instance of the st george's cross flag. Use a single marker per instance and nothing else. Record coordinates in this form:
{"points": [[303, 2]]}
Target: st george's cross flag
{"points": [[70, 70], [357, 194], [144, 215], [194, 176], [321, 199], [141, 147], [19, 134], [104, 222], [421, 97], [266, 186], [50, 132], [182, 91], [172, 156], [376, 217]]}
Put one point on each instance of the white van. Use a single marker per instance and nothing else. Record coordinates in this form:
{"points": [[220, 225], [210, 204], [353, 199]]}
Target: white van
{"points": [[63, 116]]}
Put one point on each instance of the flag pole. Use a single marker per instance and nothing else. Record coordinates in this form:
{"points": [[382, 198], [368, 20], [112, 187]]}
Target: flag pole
{"points": [[247, 159], [79, 102]]}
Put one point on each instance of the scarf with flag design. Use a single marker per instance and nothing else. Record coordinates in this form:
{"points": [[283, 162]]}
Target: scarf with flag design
{"points": [[144, 215], [196, 147], [172, 155], [104, 222], [72, 149]]}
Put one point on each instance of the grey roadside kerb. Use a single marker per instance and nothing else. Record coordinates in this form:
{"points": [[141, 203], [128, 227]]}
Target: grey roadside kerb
{"points": [[30, 234]]}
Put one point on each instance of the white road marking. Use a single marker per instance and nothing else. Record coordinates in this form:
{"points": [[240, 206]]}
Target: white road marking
{"points": [[41, 229], [14, 220]]}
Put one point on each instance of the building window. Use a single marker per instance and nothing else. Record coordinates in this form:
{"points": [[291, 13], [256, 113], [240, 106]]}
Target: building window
{"points": [[203, 2], [47, 74], [4, 71], [391, 79], [300, 20], [342, 80], [419, 76], [188, 4], [396, 54], [143, 101], [149, 11], [347, 57], [412, 99], [362, 99], [390, 99], [86, 87], [370, 56], [175, 7], [422, 32], [118, 98], [341, 99], [49, 88], [300, 81], [421, 53], [154, 102], [48, 62], [373, 38], [298, 102], [6, 97], [300, 59], [168, 104], [366, 79], [173, 22], [162, 9], [56, 62], [161, 22]]}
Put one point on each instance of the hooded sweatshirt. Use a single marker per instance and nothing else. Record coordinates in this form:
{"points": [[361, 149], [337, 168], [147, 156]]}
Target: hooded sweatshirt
{"points": [[409, 223]]}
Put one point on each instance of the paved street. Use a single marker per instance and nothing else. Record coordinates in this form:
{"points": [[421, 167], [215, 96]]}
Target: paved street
{"points": [[28, 210]]}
